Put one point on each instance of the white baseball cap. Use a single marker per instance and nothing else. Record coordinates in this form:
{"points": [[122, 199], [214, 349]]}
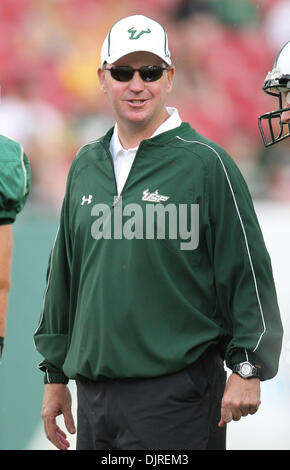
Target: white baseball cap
{"points": [[132, 34]]}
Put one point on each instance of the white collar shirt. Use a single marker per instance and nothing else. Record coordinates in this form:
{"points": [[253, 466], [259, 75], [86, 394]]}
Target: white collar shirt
{"points": [[123, 159]]}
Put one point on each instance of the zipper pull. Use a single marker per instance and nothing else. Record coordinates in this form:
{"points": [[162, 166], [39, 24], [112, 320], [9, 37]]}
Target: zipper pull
{"points": [[116, 200]]}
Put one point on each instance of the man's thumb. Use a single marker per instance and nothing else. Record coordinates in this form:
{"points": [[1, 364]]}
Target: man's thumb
{"points": [[226, 416], [69, 421]]}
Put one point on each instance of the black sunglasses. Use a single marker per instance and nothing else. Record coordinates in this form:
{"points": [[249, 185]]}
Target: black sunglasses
{"points": [[148, 73]]}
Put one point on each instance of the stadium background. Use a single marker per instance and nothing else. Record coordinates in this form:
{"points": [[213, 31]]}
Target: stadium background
{"points": [[51, 103]]}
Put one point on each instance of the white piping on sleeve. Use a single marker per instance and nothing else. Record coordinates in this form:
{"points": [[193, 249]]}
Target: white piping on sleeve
{"points": [[22, 162], [24, 170], [85, 145], [48, 280], [244, 233], [52, 251]]}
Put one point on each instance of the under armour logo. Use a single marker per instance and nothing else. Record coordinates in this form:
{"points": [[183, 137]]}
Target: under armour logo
{"points": [[88, 200], [134, 31]]}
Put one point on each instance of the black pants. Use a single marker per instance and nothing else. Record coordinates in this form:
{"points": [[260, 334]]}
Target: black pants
{"points": [[172, 412]]}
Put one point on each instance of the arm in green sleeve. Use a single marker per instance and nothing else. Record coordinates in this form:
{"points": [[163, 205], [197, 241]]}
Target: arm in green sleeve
{"points": [[244, 281]]}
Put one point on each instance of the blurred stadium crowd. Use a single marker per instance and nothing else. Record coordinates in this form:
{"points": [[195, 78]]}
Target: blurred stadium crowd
{"points": [[222, 50]]}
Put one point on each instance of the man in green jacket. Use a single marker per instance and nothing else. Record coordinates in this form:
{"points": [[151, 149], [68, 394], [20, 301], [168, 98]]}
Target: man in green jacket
{"points": [[14, 190], [158, 274]]}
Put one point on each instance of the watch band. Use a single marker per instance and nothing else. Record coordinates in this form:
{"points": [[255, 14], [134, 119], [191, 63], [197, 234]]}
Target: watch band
{"points": [[246, 370]]}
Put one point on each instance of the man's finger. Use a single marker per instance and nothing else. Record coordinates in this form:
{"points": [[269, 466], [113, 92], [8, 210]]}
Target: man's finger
{"points": [[54, 434], [226, 416], [253, 409], [60, 440], [237, 415], [222, 423]]}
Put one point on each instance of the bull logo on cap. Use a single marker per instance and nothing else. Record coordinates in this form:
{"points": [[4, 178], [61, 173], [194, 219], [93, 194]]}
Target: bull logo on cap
{"points": [[134, 31]]}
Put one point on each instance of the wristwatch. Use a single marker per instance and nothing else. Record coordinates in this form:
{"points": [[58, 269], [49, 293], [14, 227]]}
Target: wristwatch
{"points": [[246, 370]]}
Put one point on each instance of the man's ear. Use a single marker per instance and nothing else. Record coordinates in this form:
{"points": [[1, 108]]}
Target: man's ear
{"points": [[170, 75], [101, 76]]}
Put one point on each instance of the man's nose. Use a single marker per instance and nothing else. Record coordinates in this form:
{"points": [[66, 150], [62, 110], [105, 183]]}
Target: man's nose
{"points": [[136, 83], [286, 117]]}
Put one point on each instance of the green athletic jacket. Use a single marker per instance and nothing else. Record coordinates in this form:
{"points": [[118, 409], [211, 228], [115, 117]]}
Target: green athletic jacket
{"points": [[139, 307], [14, 179]]}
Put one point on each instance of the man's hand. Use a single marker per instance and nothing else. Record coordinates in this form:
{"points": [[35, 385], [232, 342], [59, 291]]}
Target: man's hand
{"points": [[6, 248], [241, 397], [57, 401]]}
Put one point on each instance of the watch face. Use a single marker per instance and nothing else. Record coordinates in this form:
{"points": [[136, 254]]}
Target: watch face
{"points": [[246, 369]]}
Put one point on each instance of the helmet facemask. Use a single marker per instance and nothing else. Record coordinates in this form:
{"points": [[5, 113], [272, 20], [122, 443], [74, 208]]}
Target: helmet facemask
{"points": [[277, 83], [272, 128]]}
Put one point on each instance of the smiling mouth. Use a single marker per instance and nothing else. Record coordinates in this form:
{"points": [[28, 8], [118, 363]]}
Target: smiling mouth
{"points": [[137, 102]]}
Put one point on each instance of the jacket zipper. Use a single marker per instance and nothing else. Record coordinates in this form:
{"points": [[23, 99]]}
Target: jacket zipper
{"points": [[117, 197]]}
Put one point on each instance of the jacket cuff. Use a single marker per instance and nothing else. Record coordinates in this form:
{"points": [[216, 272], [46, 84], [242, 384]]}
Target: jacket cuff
{"points": [[55, 378], [52, 375], [7, 217], [238, 355]]}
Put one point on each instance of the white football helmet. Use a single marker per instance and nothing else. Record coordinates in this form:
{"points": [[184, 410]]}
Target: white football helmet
{"points": [[277, 83]]}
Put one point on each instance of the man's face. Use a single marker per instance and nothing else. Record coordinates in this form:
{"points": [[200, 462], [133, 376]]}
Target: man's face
{"points": [[138, 103], [286, 104]]}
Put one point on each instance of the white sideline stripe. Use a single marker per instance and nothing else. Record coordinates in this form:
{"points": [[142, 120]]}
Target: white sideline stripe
{"points": [[244, 232]]}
